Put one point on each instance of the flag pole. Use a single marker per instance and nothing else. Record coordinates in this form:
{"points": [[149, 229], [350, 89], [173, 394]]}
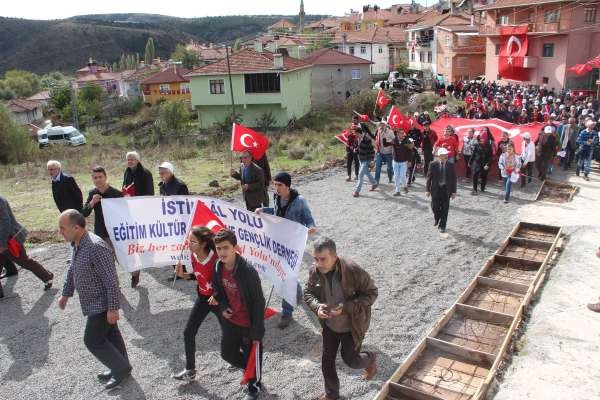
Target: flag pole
{"points": [[232, 101], [269, 298]]}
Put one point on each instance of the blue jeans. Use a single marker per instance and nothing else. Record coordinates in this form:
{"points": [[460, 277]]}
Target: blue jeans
{"points": [[364, 170], [379, 160], [286, 308], [584, 162], [399, 175], [507, 186]]}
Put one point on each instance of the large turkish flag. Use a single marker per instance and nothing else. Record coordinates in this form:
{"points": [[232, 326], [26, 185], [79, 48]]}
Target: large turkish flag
{"points": [[243, 138], [513, 49]]}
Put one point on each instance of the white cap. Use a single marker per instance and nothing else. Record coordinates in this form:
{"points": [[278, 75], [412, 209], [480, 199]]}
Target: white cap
{"points": [[548, 129], [558, 100], [442, 152], [416, 114], [168, 166], [553, 115], [584, 112], [526, 135]]}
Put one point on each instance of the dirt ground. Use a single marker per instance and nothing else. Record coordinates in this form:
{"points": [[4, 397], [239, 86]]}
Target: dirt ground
{"points": [[419, 272]]}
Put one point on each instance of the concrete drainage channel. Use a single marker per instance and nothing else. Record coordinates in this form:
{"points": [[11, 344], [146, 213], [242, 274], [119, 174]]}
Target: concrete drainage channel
{"points": [[556, 192], [461, 354]]}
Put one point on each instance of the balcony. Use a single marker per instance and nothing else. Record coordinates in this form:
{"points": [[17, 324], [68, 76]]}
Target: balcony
{"points": [[533, 27], [467, 49]]}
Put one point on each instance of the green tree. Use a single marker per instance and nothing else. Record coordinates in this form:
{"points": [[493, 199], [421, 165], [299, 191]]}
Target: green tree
{"points": [[22, 83], [173, 117], [52, 79], [91, 92], [60, 97], [149, 51], [189, 59], [237, 45], [15, 144]]}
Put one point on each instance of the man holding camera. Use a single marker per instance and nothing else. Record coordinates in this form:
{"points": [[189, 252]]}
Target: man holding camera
{"points": [[341, 294]]}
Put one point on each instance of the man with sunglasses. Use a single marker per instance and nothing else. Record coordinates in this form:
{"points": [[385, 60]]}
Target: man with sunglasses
{"points": [[289, 204], [252, 179]]}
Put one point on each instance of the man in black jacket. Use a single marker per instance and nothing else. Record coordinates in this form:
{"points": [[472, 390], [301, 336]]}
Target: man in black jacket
{"points": [[263, 163], [137, 181], [252, 179], [102, 190], [65, 191], [441, 186], [366, 152], [169, 185], [239, 296]]}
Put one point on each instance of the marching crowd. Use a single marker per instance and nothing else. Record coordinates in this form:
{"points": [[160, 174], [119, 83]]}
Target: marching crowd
{"points": [[338, 291]]}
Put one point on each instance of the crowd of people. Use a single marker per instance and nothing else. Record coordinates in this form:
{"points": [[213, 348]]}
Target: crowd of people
{"points": [[338, 291]]}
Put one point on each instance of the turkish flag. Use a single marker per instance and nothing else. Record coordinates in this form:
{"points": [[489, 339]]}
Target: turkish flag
{"points": [[395, 119], [382, 100], [513, 49], [203, 216], [343, 137], [581, 69], [252, 370], [363, 117], [496, 127], [243, 138]]}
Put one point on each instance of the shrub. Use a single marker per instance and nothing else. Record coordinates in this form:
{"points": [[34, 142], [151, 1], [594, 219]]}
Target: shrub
{"points": [[296, 152], [15, 144], [315, 120], [363, 103]]}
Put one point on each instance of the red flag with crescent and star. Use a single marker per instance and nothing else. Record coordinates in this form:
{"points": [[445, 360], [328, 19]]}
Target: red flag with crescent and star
{"points": [[395, 119], [243, 138], [382, 100], [513, 49], [343, 137]]}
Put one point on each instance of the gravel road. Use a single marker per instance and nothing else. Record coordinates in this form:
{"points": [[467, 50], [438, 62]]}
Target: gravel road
{"points": [[419, 272]]}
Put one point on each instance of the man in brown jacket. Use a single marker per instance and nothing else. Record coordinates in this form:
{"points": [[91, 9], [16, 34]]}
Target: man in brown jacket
{"points": [[341, 294], [252, 179]]}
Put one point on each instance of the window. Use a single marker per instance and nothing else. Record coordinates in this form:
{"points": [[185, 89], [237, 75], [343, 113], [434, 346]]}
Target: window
{"points": [[380, 50], [589, 14], [412, 56], [548, 50], [551, 16], [164, 88], [429, 57], [217, 86], [351, 49], [545, 80], [421, 57], [357, 27], [531, 16], [501, 19], [262, 83], [447, 39], [355, 74], [497, 50], [446, 62], [184, 87], [363, 49]]}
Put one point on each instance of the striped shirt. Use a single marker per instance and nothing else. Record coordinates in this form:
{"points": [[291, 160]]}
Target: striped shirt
{"points": [[92, 272]]}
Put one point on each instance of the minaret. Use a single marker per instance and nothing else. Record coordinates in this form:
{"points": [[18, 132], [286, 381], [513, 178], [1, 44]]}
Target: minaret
{"points": [[301, 17]]}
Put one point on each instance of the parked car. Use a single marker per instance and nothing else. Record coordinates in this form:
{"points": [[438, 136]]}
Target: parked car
{"points": [[66, 135], [381, 85]]}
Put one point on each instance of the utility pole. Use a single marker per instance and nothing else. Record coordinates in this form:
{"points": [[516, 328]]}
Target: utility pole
{"points": [[232, 100], [74, 111]]}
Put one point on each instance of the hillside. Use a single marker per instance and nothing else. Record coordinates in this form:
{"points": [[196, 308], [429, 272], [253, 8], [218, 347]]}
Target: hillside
{"points": [[65, 45]]}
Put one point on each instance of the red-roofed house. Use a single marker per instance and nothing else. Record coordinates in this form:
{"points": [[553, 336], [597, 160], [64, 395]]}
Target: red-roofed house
{"points": [[560, 35], [283, 25], [168, 84], [336, 76], [25, 111], [110, 82], [262, 82]]}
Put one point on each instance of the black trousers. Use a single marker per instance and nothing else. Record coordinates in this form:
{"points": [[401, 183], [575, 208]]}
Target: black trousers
{"points": [[427, 158], [467, 158], [543, 167], [440, 204], [527, 170], [26, 262], [352, 357], [235, 349], [199, 312], [352, 157], [10, 267], [569, 156], [252, 207], [480, 177], [105, 342]]}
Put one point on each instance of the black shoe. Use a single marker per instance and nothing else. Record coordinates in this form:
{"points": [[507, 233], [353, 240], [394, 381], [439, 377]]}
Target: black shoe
{"points": [[442, 230], [8, 274], [116, 381], [185, 375], [1, 292], [104, 376], [437, 221], [135, 280], [48, 285]]}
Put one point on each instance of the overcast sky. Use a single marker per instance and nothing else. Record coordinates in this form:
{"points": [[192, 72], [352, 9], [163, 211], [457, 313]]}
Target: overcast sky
{"points": [[57, 9]]}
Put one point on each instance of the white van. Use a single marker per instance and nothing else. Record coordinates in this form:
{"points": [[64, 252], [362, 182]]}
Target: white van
{"points": [[66, 135]]}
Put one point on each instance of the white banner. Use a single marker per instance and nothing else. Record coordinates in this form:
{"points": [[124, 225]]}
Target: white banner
{"points": [[149, 231]]}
